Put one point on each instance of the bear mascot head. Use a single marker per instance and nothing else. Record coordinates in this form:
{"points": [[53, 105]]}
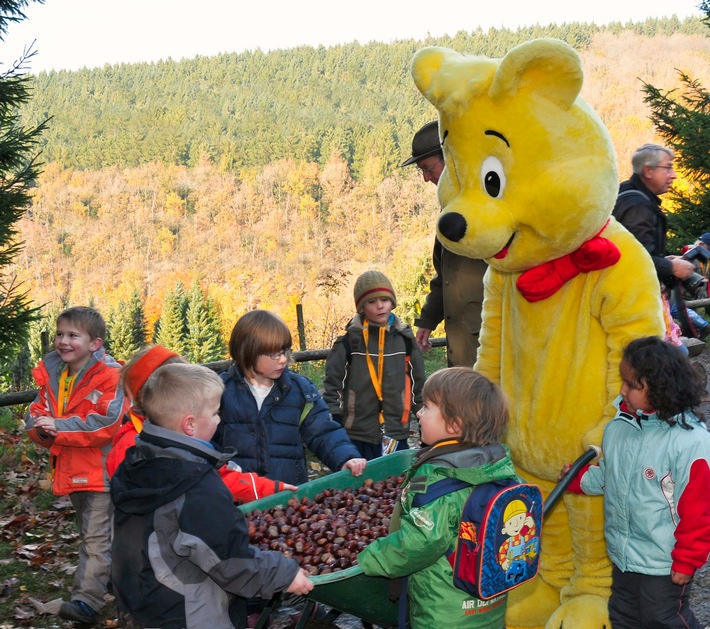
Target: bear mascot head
{"points": [[529, 185]]}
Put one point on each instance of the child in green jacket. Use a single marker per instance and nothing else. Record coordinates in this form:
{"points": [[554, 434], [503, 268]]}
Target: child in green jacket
{"points": [[463, 417]]}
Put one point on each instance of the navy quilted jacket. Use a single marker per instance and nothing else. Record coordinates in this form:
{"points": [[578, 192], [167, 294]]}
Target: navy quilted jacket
{"points": [[271, 442]]}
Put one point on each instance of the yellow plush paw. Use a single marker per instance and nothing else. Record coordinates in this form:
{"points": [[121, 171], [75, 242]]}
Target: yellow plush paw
{"points": [[581, 612]]}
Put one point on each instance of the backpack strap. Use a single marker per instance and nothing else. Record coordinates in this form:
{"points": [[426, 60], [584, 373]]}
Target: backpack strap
{"points": [[346, 344], [626, 200], [304, 413], [435, 490]]}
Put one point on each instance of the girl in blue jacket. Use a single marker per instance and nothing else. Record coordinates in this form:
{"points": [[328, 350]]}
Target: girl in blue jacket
{"points": [[654, 475], [270, 413]]}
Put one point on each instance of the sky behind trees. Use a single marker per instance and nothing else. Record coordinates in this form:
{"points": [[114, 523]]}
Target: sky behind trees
{"points": [[71, 34]]}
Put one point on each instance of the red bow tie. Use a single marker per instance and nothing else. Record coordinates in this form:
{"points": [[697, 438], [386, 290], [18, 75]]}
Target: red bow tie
{"points": [[545, 280]]}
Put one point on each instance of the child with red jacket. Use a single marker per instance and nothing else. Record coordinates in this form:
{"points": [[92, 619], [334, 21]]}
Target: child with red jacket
{"points": [[244, 486], [76, 413]]}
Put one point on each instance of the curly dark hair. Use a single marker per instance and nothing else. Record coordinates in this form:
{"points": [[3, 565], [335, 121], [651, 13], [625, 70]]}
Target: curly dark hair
{"points": [[674, 386]]}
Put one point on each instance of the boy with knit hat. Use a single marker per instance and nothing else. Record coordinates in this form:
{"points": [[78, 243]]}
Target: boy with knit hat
{"points": [[374, 373]]}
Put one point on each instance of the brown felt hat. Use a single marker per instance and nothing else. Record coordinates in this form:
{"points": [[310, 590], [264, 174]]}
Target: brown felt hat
{"points": [[425, 143], [371, 285]]}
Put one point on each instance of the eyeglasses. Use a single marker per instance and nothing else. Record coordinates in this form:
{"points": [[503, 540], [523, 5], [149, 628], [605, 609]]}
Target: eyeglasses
{"points": [[276, 355], [430, 171], [665, 166]]}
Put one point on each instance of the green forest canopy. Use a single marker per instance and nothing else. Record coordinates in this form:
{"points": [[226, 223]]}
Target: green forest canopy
{"points": [[250, 109]]}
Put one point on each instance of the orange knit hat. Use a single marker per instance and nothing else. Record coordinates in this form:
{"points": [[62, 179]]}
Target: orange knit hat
{"points": [[137, 373]]}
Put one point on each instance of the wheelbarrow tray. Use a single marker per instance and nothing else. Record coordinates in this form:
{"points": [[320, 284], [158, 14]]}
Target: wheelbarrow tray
{"points": [[349, 591]]}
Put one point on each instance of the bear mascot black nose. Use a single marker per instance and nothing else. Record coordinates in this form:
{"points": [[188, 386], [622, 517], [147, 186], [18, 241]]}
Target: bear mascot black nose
{"points": [[452, 226]]}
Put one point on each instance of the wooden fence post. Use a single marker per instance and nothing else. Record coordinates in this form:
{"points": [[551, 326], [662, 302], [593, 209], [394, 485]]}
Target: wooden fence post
{"points": [[301, 328]]}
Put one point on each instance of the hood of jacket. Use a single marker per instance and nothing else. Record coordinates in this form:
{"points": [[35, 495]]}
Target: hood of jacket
{"points": [[474, 465], [162, 466]]}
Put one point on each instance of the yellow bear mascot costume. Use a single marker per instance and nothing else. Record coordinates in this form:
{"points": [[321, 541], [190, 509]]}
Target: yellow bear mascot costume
{"points": [[529, 185]]}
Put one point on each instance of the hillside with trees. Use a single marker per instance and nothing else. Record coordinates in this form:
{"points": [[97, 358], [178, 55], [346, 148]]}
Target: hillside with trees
{"points": [[266, 180], [251, 109]]}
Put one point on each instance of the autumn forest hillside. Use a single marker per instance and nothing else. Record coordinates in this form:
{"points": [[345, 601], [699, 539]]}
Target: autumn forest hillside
{"points": [[273, 179]]}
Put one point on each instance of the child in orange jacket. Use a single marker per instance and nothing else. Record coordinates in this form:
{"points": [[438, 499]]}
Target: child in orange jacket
{"points": [[76, 413], [245, 486]]}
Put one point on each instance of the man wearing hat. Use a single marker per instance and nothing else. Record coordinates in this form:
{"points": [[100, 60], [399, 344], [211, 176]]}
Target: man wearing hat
{"points": [[456, 291]]}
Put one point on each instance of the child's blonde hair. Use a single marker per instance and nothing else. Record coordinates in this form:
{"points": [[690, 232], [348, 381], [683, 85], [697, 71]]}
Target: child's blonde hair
{"points": [[175, 391], [470, 403]]}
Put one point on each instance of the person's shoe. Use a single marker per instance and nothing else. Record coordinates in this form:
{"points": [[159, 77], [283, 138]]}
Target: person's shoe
{"points": [[704, 332], [78, 611]]}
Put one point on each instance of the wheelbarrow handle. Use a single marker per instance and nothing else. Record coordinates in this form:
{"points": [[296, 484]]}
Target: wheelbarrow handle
{"points": [[592, 453]]}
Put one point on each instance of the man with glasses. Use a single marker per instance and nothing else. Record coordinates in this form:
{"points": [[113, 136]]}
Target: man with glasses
{"points": [[638, 208], [456, 291]]}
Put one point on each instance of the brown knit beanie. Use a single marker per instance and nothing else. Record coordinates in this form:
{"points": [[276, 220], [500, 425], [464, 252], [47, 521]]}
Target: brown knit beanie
{"points": [[371, 285]]}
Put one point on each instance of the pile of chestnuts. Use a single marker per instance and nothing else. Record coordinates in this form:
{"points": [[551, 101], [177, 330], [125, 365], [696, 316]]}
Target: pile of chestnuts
{"points": [[326, 533]]}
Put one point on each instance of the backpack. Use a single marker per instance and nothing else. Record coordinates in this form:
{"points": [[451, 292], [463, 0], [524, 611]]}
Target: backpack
{"points": [[498, 546]]}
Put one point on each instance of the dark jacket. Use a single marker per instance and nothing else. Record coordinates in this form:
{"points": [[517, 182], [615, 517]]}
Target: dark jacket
{"points": [[271, 441], [348, 388], [641, 214], [180, 548], [456, 298]]}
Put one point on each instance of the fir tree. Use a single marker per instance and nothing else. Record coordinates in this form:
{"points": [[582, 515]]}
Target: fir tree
{"points": [[682, 118], [126, 328], [172, 326], [204, 338], [19, 167]]}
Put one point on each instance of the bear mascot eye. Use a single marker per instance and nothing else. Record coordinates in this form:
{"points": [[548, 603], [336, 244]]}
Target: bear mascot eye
{"points": [[493, 177]]}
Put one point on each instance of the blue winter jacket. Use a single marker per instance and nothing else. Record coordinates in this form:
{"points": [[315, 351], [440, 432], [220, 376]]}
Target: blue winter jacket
{"points": [[271, 442]]}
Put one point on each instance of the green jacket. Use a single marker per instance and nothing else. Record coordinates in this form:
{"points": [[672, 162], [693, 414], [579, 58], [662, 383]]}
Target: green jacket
{"points": [[423, 539]]}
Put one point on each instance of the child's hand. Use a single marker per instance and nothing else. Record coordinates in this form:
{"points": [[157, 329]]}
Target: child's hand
{"points": [[565, 468], [356, 466], [285, 486], [47, 425], [301, 583], [679, 578]]}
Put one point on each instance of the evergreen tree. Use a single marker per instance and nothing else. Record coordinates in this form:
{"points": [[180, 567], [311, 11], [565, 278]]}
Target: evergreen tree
{"points": [[19, 167], [204, 337], [126, 328], [172, 326], [40, 338], [682, 118]]}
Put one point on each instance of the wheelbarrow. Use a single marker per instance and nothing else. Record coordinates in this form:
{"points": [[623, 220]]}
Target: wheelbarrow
{"points": [[350, 591]]}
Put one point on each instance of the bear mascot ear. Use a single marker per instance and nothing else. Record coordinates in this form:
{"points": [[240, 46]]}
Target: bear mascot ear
{"points": [[548, 67], [438, 73]]}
